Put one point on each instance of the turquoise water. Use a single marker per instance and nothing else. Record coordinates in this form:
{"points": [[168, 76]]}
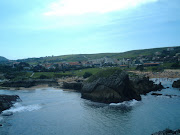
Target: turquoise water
{"points": [[50, 111]]}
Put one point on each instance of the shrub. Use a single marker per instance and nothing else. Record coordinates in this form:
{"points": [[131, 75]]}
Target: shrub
{"points": [[175, 65], [140, 67], [43, 77], [87, 74]]}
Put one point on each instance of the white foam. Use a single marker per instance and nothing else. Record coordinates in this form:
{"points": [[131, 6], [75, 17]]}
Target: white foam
{"points": [[20, 108], [125, 103]]}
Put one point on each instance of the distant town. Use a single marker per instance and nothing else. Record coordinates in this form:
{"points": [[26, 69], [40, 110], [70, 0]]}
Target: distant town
{"points": [[156, 59], [168, 58]]}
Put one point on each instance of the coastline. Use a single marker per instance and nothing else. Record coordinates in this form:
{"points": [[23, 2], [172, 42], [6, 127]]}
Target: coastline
{"points": [[168, 73]]}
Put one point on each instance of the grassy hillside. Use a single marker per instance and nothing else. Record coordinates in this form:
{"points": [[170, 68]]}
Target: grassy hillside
{"points": [[3, 59], [85, 57]]}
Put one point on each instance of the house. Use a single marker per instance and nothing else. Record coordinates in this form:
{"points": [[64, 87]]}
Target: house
{"points": [[87, 64], [123, 65], [75, 64]]}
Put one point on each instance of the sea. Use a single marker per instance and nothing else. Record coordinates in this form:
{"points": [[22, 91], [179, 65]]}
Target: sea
{"points": [[50, 111]]}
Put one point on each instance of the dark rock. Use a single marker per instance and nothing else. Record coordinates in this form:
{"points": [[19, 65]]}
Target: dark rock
{"points": [[172, 95], [156, 94], [167, 87], [142, 85], [29, 83], [7, 101], [72, 85], [168, 132], [1, 125], [169, 95], [176, 84], [117, 87]]}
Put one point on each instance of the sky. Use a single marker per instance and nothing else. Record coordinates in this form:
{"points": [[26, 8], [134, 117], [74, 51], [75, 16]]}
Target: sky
{"points": [[38, 28]]}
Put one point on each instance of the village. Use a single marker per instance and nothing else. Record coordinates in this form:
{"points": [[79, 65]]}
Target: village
{"points": [[158, 58]]}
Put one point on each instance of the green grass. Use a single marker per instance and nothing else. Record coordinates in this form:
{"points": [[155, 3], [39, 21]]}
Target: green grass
{"points": [[21, 76], [161, 66], [51, 74], [85, 57], [79, 73], [104, 73], [38, 74], [90, 70]]}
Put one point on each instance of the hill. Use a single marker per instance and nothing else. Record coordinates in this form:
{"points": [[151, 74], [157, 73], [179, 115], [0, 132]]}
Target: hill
{"points": [[84, 57], [3, 59]]}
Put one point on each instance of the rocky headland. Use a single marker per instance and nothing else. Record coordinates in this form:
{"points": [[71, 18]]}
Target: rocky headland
{"points": [[7, 101], [114, 86], [29, 83]]}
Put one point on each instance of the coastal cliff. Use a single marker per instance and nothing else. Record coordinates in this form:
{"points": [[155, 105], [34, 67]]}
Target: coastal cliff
{"points": [[114, 86]]}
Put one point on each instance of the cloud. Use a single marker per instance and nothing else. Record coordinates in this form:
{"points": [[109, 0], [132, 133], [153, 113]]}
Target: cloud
{"points": [[80, 7]]}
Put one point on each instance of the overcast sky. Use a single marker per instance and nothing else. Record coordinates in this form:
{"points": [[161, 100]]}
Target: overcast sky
{"points": [[35, 28]]}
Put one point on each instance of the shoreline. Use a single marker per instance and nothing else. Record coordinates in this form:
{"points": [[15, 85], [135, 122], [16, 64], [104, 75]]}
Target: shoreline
{"points": [[36, 87], [168, 73]]}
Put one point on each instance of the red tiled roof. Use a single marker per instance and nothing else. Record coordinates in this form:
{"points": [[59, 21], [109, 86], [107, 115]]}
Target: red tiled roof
{"points": [[74, 63]]}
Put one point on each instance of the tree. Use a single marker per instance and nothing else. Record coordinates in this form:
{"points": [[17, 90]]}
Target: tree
{"points": [[140, 67], [43, 77], [176, 65]]}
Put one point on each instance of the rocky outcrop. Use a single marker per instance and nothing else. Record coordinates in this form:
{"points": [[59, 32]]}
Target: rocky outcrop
{"points": [[29, 83], [176, 84], [168, 132], [143, 85], [7, 101], [156, 94], [72, 85], [117, 87]]}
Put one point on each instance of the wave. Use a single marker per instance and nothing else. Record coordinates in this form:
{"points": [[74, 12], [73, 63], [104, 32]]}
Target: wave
{"points": [[125, 103], [20, 108]]}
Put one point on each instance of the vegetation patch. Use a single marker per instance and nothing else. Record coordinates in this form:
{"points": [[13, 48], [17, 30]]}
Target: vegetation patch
{"points": [[104, 73]]}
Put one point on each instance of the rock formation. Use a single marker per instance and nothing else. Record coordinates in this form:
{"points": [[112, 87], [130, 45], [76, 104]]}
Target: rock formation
{"points": [[117, 87], [72, 85], [176, 84], [7, 101]]}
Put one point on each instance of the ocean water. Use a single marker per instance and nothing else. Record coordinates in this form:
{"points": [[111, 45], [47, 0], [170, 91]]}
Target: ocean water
{"points": [[49, 111]]}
